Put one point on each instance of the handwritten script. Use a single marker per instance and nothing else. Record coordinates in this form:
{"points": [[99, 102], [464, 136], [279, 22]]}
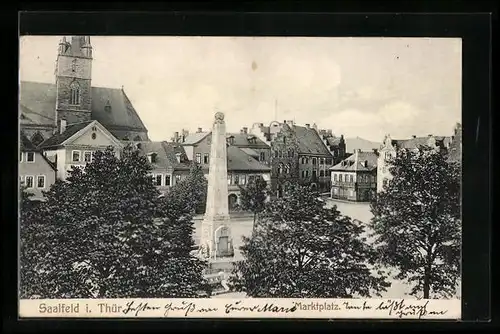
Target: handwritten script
{"points": [[244, 308], [390, 308]]}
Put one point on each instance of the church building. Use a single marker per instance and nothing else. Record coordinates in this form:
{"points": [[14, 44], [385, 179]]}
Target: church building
{"points": [[73, 100]]}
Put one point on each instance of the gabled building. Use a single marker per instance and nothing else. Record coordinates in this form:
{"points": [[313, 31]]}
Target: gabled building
{"points": [[355, 178], [36, 172], [390, 147], [247, 157], [168, 161], [298, 154], [75, 144], [72, 98]]}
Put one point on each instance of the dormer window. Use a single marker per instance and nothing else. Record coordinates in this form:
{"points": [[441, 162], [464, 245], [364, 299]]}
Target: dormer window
{"points": [[107, 107], [230, 140], [178, 157], [152, 157]]}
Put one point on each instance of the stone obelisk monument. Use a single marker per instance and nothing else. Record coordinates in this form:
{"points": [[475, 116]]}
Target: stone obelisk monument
{"points": [[216, 240]]}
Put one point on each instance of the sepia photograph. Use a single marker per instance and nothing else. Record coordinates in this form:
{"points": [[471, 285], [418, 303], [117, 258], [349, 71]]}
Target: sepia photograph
{"points": [[302, 169]]}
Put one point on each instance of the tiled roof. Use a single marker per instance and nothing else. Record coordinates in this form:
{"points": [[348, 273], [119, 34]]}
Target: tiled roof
{"points": [[309, 141], [333, 141], [349, 164], [27, 145], [194, 138], [165, 153], [38, 103], [250, 152], [59, 138], [237, 160], [243, 140]]}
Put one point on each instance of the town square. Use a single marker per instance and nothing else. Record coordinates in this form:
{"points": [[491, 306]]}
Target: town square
{"points": [[239, 174]]}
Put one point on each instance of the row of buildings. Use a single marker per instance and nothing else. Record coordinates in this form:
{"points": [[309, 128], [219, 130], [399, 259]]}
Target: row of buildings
{"points": [[62, 124]]}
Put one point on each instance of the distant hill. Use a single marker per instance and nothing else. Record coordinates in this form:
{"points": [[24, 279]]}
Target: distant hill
{"points": [[352, 144]]}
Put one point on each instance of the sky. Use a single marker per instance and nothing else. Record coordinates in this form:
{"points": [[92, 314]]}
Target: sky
{"points": [[365, 87]]}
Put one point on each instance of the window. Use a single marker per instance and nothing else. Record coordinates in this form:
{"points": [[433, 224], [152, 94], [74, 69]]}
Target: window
{"points": [[158, 179], [40, 181], [178, 178], [75, 156], [205, 158], [280, 169], [303, 174], [307, 160], [322, 161], [328, 161], [321, 173], [73, 65], [384, 183], [314, 173], [387, 155], [87, 156], [243, 179], [198, 158], [287, 169], [351, 178], [29, 182], [340, 177], [152, 158], [167, 180], [21, 156], [236, 179], [334, 177], [74, 93], [307, 173], [30, 157], [290, 153], [314, 161], [262, 156], [228, 179], [275, 154]]}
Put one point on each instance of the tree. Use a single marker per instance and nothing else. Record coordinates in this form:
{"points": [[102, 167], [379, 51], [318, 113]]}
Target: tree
{"points": [[417, 221], [108, 234], [194, 189], [301, 249], [254, 195]]}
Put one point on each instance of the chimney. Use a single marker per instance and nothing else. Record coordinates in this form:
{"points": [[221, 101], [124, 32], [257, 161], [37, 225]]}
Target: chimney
{"points": [[315, 127], [176, 136], [290, 122], [308, 126], [62, 126], [414, 136], [329, 132], [245, 130], [242, 132], [429, 135], [359, 150], [199, 130], [375, 151]]}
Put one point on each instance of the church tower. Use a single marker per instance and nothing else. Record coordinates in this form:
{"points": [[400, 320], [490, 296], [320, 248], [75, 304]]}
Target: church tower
{"points": [[73, 80]]}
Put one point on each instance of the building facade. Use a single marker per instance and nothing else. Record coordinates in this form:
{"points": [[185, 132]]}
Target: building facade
{"points": [[390, 147], [298, 154], [73, 99], [169, 163], [247, 157], [355, 178], [76, 144], [36, 173]]}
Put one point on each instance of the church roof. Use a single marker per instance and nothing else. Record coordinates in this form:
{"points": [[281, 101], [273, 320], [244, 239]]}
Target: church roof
{"points": [[38, 103], [165, 153]]}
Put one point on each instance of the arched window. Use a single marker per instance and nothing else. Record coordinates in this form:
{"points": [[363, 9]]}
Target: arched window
{"points": [[287, 169], [74, 93], [37, 139]]}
